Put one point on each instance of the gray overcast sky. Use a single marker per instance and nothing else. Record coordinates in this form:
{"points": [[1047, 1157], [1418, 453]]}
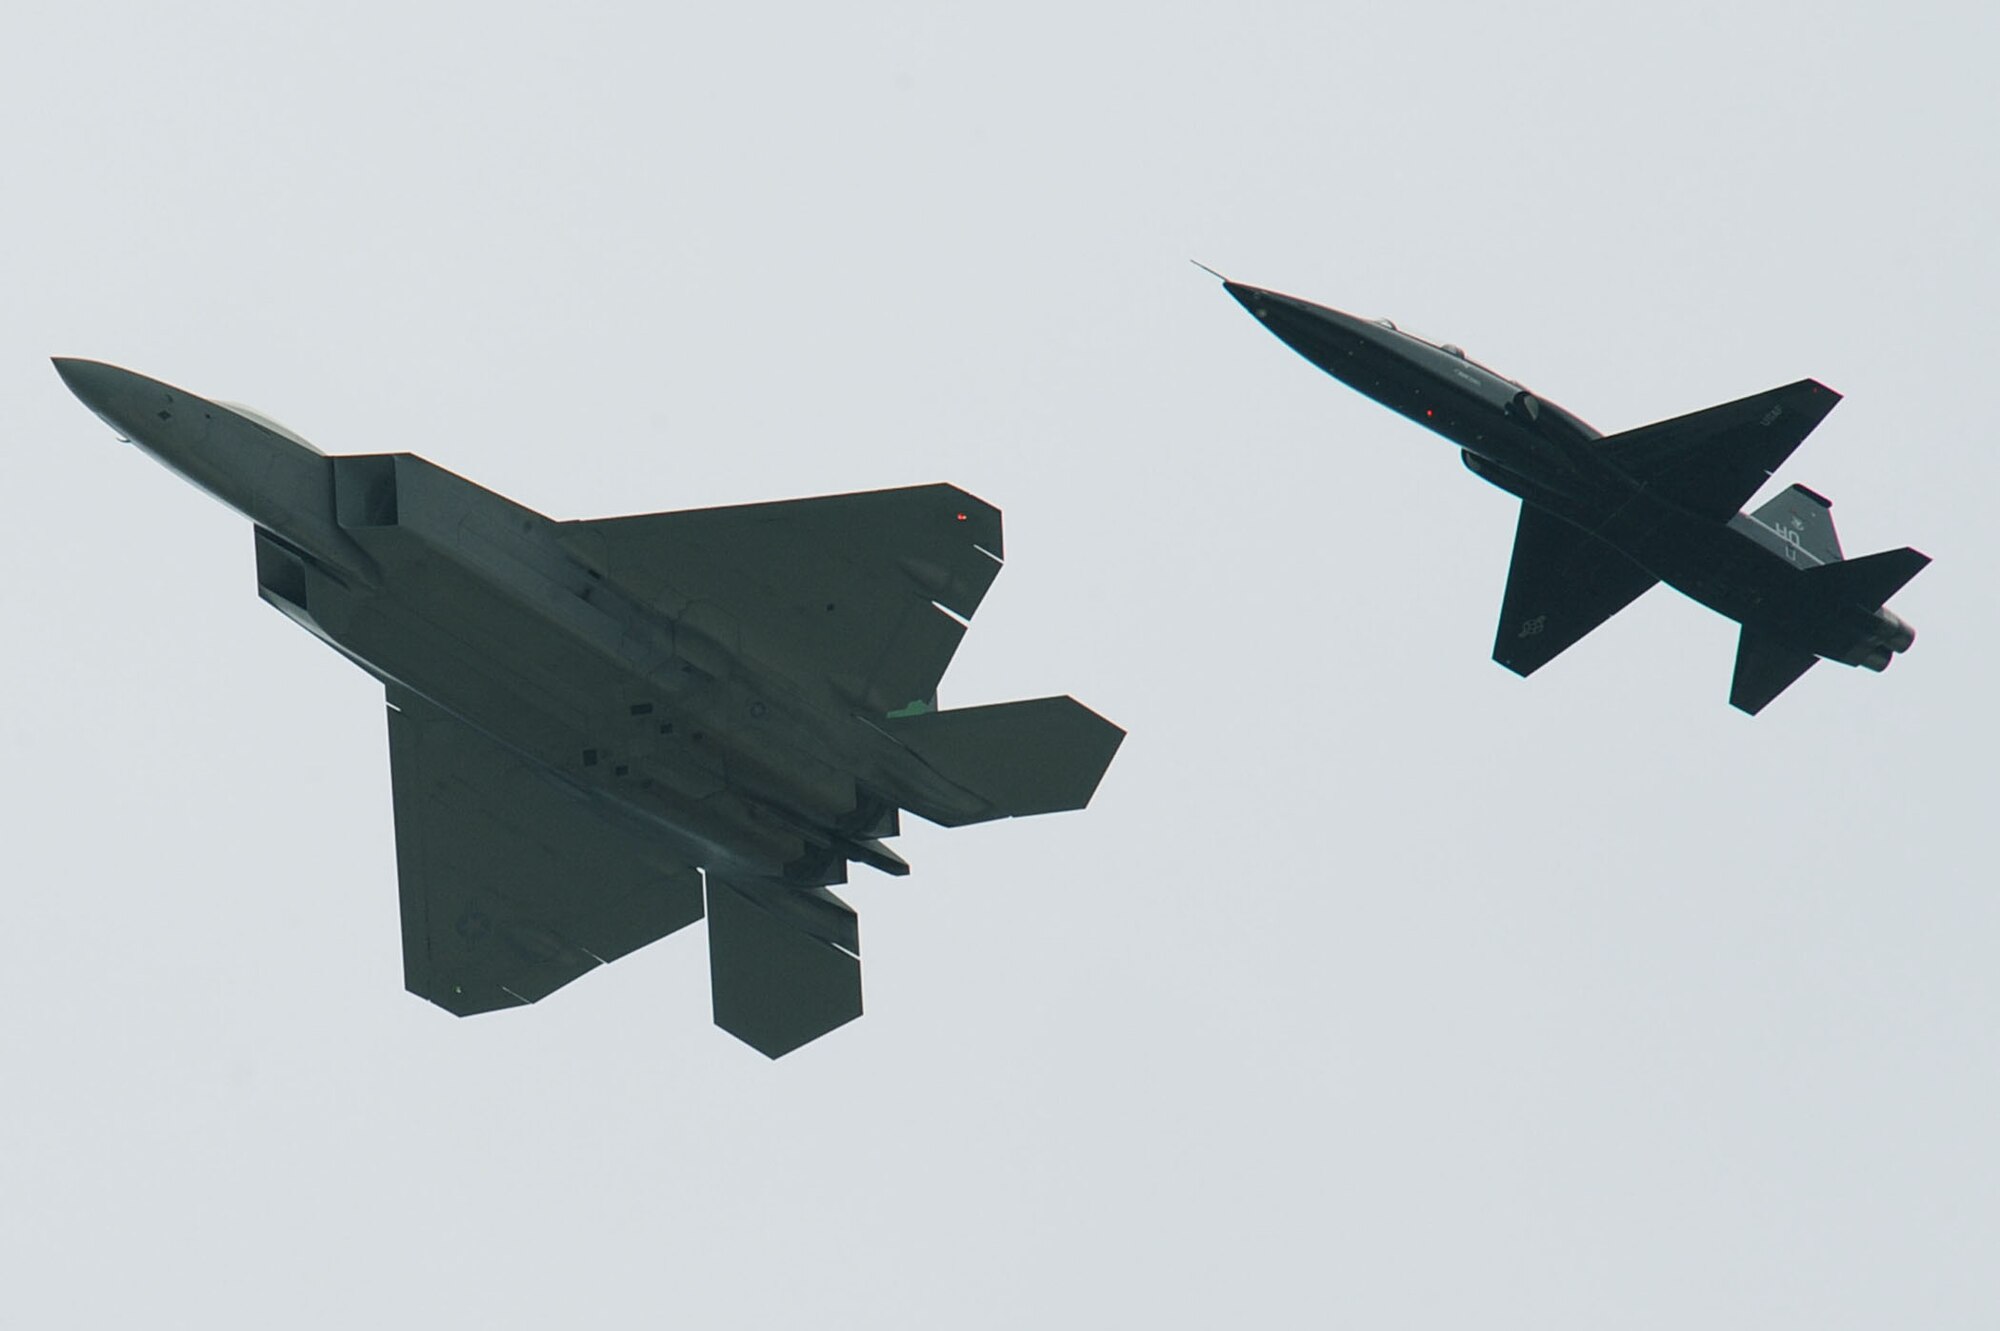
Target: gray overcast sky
{"points": [[1379, 988]]}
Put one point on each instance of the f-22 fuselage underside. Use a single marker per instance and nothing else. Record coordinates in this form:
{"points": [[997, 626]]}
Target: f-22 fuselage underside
{"points": [[603, 731]]}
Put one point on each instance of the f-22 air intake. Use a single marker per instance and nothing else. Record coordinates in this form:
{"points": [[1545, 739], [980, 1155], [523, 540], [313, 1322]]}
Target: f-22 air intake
{"points": [[600, 732], [1605, 518]]}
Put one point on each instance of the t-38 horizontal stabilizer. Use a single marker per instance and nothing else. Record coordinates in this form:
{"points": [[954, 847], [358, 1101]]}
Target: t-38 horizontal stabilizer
{"points": [[1765, 668], [1869, 580], [1018, 758]]}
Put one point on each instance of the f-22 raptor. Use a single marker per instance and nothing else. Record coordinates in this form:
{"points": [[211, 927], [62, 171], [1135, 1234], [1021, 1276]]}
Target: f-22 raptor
{"points": [[601, 731], [1605, 518]]}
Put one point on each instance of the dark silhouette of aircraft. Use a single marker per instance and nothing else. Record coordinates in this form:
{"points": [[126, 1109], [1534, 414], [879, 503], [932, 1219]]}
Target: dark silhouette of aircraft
{"points": [[1603, 518], [601, 731]]}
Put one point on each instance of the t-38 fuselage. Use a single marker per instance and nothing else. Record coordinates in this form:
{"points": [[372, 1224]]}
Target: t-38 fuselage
{"points": [[1603, 518]]}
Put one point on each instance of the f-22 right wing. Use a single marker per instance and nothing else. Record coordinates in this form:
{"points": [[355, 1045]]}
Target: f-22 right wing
{"points": [[842, 588], [1563, 583]]}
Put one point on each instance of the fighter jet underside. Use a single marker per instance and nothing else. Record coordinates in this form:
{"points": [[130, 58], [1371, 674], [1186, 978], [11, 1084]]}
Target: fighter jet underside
{"points": [[603, 731], [1605, 518]]}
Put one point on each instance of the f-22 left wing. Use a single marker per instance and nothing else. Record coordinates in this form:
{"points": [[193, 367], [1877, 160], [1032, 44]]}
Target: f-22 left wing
{"points": [[515, 882]]}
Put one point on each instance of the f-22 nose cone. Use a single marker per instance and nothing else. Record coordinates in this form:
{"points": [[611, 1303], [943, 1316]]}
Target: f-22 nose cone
{"points": [[88, 379], [118, 397], [73, 370]]}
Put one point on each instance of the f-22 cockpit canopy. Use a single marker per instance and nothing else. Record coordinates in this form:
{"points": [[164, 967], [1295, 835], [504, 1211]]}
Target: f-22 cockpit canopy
{"points": [[278, 428]]}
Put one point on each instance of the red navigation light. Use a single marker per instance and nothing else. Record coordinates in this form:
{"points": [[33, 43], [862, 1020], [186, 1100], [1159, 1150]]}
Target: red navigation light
{"points": [[961, 517]]}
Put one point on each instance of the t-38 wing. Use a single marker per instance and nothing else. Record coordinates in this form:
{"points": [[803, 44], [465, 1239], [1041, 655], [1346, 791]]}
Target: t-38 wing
{"points": [[1563, 583], [1711, 461]]}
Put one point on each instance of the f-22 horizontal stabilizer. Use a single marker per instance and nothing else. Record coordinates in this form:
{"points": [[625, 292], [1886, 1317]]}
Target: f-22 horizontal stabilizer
{"points": [[784, 961], [1040, 756]]}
